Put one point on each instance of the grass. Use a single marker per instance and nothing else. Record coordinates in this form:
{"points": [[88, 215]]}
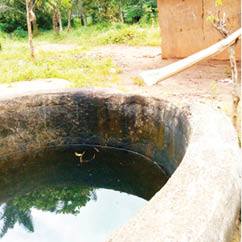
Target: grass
{"points": [[138, 81], [16, 65], [72, 64], [101, 35]]}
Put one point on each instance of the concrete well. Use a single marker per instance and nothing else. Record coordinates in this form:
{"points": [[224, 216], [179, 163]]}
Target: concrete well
{"points": [[195, 146]]}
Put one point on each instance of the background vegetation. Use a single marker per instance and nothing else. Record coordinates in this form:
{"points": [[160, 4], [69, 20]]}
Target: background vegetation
{"points": [[82, 24], [59, 200], [79, 12]]}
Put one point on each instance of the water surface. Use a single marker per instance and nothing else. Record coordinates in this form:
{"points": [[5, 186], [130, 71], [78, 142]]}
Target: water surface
{"points": [[93, 223]]}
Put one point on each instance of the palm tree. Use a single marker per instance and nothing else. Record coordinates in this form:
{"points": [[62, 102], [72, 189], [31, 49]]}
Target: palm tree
{"points": [[13, 214], [65, 200]]}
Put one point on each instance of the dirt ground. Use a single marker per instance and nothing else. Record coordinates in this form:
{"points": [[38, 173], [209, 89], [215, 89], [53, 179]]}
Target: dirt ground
{"points": [[207, 82]]}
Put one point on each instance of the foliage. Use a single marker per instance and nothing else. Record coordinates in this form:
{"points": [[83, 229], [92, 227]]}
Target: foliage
{"points": [[121, 36], [63, 200], [20, 33], [142, 9], [138, 81], [13, 214], [60, 200], [70, 64], [13, 12], [218, 2]]}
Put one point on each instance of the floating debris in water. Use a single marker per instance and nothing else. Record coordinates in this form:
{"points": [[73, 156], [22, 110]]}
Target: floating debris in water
{"points": [[95, 148], [81, 157]]}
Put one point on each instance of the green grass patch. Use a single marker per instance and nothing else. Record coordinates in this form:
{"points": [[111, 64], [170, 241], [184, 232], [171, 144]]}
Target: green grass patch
{"points": [[72, 64], [17, 65], [102, 35]]}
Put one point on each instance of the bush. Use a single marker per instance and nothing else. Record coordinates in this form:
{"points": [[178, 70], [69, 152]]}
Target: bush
{"points": [[121, 36], [20, 33], [102, 26], [119, 25], [133, 14], [77, 22], [3, 27]]}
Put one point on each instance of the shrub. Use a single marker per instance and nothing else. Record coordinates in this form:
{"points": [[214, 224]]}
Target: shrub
{"points": [[20, 33], [120, 36], [77, 22], [3, 26]]}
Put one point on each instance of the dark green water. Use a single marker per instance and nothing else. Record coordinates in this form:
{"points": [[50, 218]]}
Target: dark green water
{"points": [[73, 193]]}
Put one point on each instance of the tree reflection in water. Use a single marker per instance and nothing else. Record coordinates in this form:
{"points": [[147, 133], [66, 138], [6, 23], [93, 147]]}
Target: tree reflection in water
{"points": [[59, 200]]}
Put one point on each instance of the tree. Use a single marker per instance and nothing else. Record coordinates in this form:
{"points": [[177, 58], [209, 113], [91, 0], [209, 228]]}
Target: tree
{"points": [[121, 12], [35, 25], [12, 15], [219, 23], [54, 13], [12, 214], [60, 200], [69, 17], [30, 17]]}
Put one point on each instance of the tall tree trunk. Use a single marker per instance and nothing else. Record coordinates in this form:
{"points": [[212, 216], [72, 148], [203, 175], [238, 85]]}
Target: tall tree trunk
{"points": [[59, 19], [82, 19], [83, 16], [85, 19], [54, 22], [28, 13], [121, 12], [35, 25], [69, 20], [35, 28]]}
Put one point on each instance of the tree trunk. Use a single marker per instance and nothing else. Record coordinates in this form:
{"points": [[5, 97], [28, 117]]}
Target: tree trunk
{"points": [[236, 89], [59, 19], [35, 25], [69, 20], [35, 28], [28, 9], [121, 12], [85, 19], [220, 25], [54, 22], [83, 16], [82, 19]]}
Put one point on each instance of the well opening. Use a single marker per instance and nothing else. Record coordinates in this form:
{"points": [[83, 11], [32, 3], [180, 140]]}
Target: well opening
{"points": [[130, 143]]}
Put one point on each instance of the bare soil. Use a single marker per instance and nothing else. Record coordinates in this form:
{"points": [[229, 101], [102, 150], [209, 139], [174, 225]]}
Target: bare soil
{"points": [[207, 82]]}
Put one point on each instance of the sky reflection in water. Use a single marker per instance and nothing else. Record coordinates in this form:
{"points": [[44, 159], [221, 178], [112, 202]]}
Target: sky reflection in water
{"points": [[95, 222]]}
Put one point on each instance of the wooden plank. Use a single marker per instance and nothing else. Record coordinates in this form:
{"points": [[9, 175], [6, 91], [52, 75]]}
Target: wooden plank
{"points": [[155, 76]]}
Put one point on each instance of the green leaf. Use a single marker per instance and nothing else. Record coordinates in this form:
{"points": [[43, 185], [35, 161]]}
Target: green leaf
{"points": [[218, 2], [211, 18]]}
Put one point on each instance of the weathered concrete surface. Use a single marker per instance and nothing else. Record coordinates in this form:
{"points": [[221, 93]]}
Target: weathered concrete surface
{"points": [[42, 131], [199, 202], [185, 28]]}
